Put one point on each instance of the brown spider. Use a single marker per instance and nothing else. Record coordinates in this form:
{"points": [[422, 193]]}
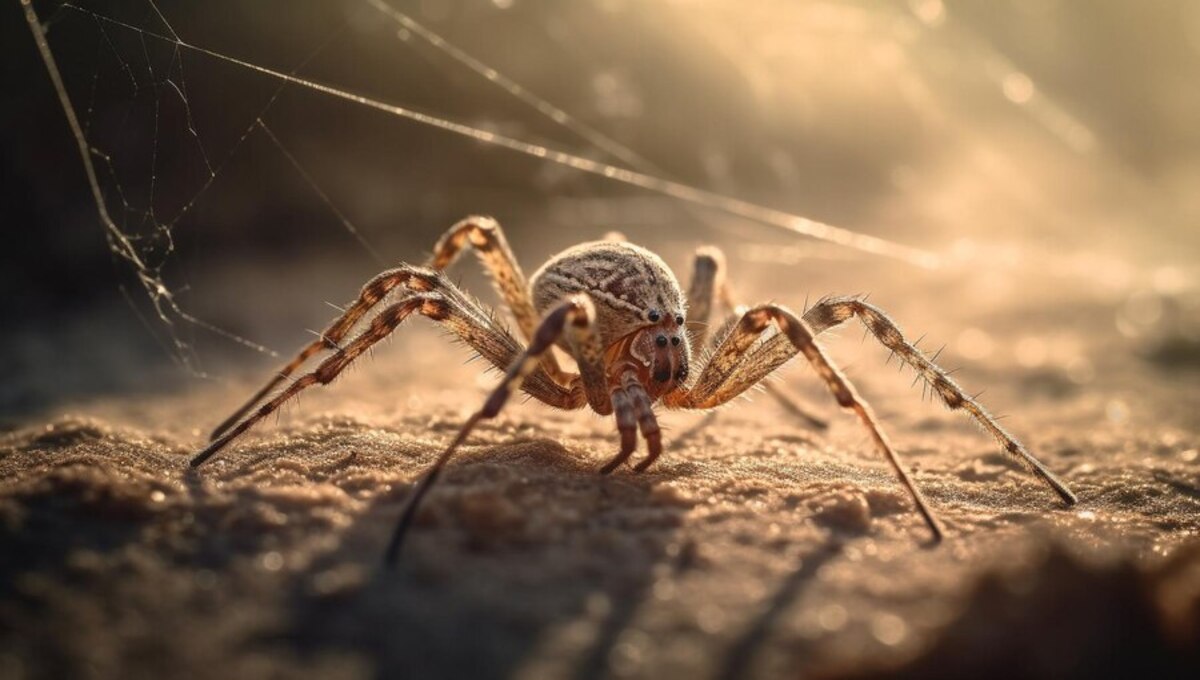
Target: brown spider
{"points": [[619, 312]]}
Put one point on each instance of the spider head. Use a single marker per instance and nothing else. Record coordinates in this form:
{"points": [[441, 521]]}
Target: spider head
{"points": [[659, 353]]}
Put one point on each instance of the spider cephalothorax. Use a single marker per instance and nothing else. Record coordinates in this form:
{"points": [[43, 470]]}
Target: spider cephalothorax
{"points": [[640, 310], [617, 309]]}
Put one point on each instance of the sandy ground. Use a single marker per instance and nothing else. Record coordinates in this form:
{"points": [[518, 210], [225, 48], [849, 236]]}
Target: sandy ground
{"points": [[756, 548], [1043, 149]]}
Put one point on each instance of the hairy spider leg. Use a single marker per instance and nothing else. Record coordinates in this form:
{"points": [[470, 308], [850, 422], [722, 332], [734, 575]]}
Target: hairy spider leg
{"points": [[573, 315], [721, 380], [647, 422], [708, 287], [494, 253], [708, 281], [375, 290], [831, 312], [485, 235], [575, 318], [437, 299]]}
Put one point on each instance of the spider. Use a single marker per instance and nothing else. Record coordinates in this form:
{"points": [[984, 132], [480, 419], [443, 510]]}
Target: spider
{"points": [[620, 313]]}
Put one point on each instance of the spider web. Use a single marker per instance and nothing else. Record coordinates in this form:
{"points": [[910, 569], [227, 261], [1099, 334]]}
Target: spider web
{"points": [[139, 49]]}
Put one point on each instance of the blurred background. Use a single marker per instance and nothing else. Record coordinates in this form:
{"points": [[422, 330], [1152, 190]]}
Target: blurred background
{"points": [[1031, 168], [1046, 152]]}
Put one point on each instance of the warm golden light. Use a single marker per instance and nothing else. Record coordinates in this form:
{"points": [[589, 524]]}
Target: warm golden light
{"points": [[600, 339]]}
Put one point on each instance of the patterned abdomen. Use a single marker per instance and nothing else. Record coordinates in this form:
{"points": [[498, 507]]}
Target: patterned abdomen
{"points": [[626, 282]]}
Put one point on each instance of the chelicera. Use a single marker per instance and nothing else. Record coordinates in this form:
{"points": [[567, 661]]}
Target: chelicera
{"points": [[620, 313]]}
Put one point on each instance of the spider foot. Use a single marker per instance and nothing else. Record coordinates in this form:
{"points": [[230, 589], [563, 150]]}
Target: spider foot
{"points": [[641, 467], [613, 464]]}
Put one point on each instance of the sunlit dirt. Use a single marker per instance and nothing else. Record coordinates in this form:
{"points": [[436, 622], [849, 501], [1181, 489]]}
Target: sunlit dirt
{"points": [[1016, 183]]}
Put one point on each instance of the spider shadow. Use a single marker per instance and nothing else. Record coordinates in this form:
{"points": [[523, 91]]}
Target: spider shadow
{"points": [[756, 635], [458, 607]]}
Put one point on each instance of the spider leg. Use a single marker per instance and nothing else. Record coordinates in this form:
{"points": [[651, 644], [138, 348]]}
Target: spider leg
{"points": [[708, 281], [380, 327], [708, 287], [627, 425], [721, 380], [834, 311], [588, 352], [494, 253], [646, 422], [576, 311], [485, 234], [630, 402], [375, 290], [440, 301]]}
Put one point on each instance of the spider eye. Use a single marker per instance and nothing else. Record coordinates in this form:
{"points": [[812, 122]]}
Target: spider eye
{"points": [[661, 341], [654, 315], [679, 320], [682, 374], [675, 341]]}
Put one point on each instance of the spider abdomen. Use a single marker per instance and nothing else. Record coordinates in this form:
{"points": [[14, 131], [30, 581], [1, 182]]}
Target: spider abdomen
{"points": [[630, 286]]}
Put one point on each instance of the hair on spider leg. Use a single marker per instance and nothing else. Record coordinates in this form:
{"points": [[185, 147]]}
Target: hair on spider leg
{"points": [[938, 353], [919, 377], [330, 344]]}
